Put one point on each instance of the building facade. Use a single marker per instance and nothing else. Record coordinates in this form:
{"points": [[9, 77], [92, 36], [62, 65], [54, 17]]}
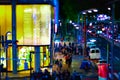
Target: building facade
{"points": [[25, 32]]}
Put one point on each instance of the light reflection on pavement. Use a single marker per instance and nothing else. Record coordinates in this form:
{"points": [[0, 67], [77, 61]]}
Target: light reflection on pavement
{"points": [[76, 62]]}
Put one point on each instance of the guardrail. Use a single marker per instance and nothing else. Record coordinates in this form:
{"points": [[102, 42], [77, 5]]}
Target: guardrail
{"points": [[109, 40]]}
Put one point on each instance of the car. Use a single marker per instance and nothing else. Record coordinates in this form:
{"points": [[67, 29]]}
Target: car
{"points": [[91, 44], [95, 53]]}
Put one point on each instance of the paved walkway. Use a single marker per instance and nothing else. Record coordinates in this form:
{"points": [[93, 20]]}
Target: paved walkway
{"points": [[76, 62]]}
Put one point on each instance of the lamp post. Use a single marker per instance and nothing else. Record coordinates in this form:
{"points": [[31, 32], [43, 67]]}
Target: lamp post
{"points": [[80, 26], [6, 50], [84, 24], [85, 36]]}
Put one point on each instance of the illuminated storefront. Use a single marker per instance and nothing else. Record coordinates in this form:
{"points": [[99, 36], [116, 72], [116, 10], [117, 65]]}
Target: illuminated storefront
{"points": [[33, 24], [5, 26], [24, 55]]}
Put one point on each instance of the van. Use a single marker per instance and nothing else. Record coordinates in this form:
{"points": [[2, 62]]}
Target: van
{"points": [[95, 53]]}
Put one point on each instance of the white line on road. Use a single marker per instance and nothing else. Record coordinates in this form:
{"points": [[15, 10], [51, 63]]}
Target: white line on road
{"points": [[116, 75], [117, 58], [110, 76]]}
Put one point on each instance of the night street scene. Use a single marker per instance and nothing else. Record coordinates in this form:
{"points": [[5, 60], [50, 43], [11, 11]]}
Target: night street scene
{"points": [[59, 39]]}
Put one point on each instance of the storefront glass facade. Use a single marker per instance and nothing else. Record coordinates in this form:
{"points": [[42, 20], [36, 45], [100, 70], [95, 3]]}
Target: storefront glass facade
{"points": [[33, 24]]}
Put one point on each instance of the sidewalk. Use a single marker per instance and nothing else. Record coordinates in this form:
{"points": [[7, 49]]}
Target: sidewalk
{"points": [[76, 62], [23, 75], [19, 76]]}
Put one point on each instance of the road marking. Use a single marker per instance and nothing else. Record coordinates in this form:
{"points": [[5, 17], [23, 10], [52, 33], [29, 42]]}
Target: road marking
{"points": [[117, 58], [116, 75], [110, 76]]}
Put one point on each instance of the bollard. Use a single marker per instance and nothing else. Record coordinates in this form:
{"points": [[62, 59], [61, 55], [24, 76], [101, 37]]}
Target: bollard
{"points": [[103, 71]]}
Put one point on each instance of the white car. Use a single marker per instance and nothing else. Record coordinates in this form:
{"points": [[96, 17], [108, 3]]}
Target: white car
{"points": [[95, 53]]}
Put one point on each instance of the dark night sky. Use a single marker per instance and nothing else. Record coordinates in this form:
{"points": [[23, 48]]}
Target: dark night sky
{"points": [[70, 8]]}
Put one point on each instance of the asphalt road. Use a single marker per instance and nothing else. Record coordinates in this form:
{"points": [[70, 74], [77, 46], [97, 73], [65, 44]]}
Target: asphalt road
{"points": [[105, 46]]}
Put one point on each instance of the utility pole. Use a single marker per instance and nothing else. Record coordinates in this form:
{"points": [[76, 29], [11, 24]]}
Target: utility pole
{"points": [[85, 36]]}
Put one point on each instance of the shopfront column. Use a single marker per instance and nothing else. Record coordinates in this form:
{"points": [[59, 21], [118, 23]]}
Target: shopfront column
{"points": [[37, 57], [14, 45]]}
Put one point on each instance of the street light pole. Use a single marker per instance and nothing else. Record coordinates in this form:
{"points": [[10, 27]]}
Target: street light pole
{"points": [[85, 28], [80, 16], [85, 36], [6, 50], [6, 47]]}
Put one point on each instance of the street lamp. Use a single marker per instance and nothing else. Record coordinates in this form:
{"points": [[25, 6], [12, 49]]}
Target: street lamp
{"points": [[6, 47], [84, 24]]}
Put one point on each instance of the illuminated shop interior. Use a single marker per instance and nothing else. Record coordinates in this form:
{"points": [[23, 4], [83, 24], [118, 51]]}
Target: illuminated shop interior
{"points": [[33, 24]]}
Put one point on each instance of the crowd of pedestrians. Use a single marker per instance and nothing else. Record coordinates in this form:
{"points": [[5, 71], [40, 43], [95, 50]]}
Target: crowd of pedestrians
{"points": [[60, 74], [56, 75], [41, 75], [69, 47]]}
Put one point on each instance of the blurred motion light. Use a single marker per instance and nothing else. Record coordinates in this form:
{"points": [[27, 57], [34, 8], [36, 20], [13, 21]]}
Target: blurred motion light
{"points": [[102, 17], [103, 29], [90, 24], [109, 8], [92, 40], [83, 12], [95, 10], [77, 27], [89, 11], [60, 24], [73, 23], [55, 28], [70, 21]]}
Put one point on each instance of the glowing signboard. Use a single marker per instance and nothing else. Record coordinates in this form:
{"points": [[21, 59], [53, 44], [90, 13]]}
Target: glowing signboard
{"points": [[33, 24], [102, 17]]}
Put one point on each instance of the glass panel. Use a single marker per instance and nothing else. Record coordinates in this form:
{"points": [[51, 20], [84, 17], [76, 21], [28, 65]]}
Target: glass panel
{"points": [[5, 19], [93, 51], [44, 53], [97, 51], [5, 27], [33, 24], [24, 57]]}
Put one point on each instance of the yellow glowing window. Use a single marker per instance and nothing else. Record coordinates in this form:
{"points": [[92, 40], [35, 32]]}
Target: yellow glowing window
{"points": [[33, 24]]}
